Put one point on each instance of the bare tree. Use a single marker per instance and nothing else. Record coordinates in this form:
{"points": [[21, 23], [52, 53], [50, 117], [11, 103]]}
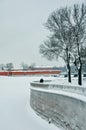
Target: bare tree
{"points": [[9, 66], [2, 66], [32, 66], [60, 43], [79, 30], [68, 35], [24, 66]]}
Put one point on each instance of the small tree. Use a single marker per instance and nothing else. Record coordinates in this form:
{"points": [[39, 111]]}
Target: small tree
{"points": [[9, 66], [2, 66], [24, 66], [32, 66]]}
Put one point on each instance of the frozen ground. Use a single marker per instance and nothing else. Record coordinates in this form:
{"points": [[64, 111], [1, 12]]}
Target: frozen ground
{"points": [[15, 110], [64, 81], [74, 82]]}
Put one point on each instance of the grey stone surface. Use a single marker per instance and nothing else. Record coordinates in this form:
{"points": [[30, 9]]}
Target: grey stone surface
{"points": [[75, 89], [65, 111]]}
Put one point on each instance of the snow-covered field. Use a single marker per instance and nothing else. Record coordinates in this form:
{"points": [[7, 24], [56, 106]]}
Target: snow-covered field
{"points": [[15, 110], [74, 81]]}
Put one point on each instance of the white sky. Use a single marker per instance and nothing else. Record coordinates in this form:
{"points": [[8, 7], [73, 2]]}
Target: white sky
{"points": [[22, 30]]}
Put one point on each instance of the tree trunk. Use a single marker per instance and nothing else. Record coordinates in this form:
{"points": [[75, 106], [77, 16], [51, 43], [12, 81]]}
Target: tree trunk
{"points": [[69, 72], [80, 75]]}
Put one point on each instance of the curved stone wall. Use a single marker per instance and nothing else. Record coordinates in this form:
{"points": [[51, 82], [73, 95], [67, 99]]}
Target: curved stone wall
{"points": [[75, 89], [64, 109]]}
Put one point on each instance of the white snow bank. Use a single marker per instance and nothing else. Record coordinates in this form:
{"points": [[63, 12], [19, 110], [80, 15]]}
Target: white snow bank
{"points": [[64, 81], [15, 110]]}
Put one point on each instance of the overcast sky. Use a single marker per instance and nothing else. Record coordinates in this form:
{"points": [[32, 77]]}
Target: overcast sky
{"points": [[22, 30]]}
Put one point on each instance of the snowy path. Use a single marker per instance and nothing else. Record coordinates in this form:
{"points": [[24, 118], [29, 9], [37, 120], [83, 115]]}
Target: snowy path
{"points": [[15, 110]]}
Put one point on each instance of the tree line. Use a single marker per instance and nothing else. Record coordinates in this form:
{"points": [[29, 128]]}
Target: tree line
{"points": [[67, 37], [10, 66]]}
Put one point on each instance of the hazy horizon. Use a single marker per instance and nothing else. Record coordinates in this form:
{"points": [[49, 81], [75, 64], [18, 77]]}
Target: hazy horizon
{"points": [[22, 30]]}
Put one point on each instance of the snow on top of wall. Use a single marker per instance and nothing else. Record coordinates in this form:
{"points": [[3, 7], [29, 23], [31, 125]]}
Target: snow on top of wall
{"points": [[63, 81]]}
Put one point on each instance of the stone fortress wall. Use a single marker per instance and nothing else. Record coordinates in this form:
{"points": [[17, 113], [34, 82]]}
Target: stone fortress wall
{"points": [[65, 109]]}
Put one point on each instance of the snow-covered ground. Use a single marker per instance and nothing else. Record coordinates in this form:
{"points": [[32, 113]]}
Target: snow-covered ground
{"points": [[64, 81], [74, 81], [15, 110]]}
